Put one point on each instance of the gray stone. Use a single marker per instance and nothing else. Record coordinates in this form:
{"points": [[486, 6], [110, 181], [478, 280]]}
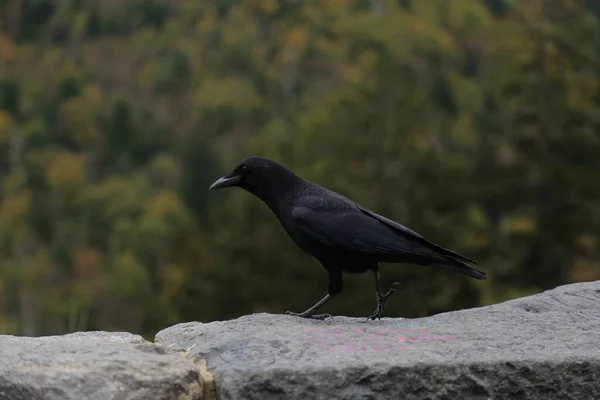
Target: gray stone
{"points": [[94, 365], [545, 346]]}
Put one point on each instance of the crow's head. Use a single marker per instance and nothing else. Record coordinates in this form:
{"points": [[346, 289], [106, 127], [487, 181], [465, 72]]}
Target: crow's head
{"points": [[259, 176]]}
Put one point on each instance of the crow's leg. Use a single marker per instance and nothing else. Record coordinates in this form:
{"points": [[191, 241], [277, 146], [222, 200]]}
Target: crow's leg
{"points": [[381, 298], [335, 287], [309, 313]]}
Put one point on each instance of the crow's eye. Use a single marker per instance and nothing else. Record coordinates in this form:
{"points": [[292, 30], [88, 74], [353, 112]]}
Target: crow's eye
{"points": [[244, 168]]}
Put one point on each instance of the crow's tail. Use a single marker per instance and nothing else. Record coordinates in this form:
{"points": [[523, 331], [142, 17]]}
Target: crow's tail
{"points": [[458, 265]]}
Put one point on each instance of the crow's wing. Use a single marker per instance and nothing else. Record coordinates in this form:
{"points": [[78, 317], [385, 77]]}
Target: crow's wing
{"points": [[345, 226], [401, 228]]}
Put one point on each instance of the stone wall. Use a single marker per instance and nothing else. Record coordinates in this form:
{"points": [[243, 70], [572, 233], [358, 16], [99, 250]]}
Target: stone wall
{"points": [[545, 346]]}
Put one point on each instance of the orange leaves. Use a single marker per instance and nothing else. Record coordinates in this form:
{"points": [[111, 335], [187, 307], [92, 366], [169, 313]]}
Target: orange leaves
{"points": [[507, 154], [519, 225], [296, 37], [208, 20], [419, 25], [349, 72], [86, 262], [267, 7], [337, 5], [8, 50], [584, 270], [5, 126]]}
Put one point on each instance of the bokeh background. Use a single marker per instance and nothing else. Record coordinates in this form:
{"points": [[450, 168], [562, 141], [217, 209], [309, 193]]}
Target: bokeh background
{"points": [[474, 122]]}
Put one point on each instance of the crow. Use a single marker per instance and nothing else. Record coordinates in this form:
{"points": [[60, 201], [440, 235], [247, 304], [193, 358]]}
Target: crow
{"points": [[341, 234]]}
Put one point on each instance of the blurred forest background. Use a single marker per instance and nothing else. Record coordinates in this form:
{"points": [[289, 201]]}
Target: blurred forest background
{"points": [[474, 122]]}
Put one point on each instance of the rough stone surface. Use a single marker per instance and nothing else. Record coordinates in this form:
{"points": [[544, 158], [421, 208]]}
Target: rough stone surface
{"points": [[94, 365], [545, 346]]}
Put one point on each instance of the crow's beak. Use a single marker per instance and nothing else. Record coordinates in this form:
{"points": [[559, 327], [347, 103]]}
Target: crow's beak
{"points": [[225, 181]]}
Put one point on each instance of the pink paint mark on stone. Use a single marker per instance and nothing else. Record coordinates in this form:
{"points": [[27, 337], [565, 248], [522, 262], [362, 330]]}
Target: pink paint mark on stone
{"points": [[411, 330], [360, 339], [353, 348]]}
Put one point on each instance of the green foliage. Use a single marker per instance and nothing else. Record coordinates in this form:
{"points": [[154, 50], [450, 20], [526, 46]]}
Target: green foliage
{"points": [[475, 122]]}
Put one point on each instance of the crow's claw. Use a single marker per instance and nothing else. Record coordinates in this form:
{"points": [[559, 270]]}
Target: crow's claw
{"points": [[390, 292], [378, 313], [310, 316]]}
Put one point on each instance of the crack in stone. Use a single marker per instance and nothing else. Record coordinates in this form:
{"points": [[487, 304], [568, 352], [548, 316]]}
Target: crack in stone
{"points": [[207, 378]]}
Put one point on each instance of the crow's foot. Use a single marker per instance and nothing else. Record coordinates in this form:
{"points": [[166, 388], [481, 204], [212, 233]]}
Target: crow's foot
{"points": [[310, 316], [378, 313], [381, 299]]}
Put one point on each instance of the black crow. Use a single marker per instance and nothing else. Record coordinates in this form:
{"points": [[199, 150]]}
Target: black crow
{"points": [[341, 234]]}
